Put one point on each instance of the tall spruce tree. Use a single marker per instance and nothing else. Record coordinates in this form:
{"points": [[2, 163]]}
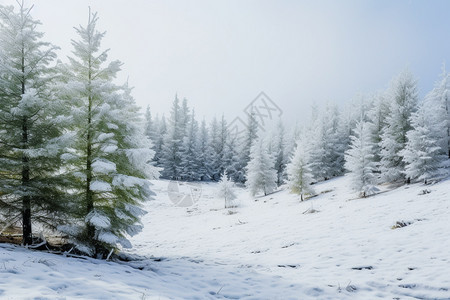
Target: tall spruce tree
{"points": [[30, 129], [426, 151], [261, 174], [110, 155], [158, 143], [359, 159], [204, 153], [189, 152], [171, 149], [402, 98], [250, 136], [279, 151]]}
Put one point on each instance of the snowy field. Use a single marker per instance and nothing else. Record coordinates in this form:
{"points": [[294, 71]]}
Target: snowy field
{"points": [[268, 248]]}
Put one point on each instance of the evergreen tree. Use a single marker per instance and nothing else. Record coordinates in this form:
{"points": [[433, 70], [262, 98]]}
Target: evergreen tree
{"points": [[261, 175], [204, 153], [425, 153], [279, 150], [316, 147], [249, 138], [161, 131], [172, 140], [218, 140], [225, 190], [440, 97], [189, 152], [403, 102], [359, 159], [377, 121], [109, 162], [151, 125], [31, 139], [298, 171], [334, 142], [231, 156]]}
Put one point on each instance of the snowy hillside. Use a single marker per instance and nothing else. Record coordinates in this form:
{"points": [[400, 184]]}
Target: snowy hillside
{"points": [[270, 248]]}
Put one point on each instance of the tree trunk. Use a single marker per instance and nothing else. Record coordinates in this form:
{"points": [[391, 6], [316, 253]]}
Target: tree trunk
{"points": [[27, 234], [26, 200], [89, 194]]}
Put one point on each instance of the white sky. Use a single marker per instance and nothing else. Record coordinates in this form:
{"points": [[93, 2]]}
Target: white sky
{"points": [[221, 54]]}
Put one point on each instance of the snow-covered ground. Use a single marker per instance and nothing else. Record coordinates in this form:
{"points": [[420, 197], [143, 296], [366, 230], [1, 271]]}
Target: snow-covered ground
{"points": [[267, 248]]}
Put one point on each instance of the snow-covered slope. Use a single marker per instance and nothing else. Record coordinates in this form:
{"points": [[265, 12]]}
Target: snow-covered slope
{"points": [[267, 248]]}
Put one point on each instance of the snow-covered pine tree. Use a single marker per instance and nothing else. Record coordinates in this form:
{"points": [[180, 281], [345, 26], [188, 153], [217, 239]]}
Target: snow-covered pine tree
{"points": [[334, 142], [441, 97], [231, 156], [298, 171], [222, 144], [402, 97], [425, 153], [291, 140], [316, 147], [171, 149], [189, 152], [249, 138], [279, 151], [158, 143], [225, 190], [148, 123], [109, 163], [214, 157], [377, 121], [218, 134], [184, 117], [30, 128], [204, 153], [359, 159], [261, 174]]}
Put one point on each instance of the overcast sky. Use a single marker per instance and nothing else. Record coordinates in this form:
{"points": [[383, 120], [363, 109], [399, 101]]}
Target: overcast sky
{"points": [[221, 54]]}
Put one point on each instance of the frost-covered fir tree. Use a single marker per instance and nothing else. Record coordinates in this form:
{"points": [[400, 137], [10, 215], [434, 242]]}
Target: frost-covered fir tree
{"points": [[440, 96], [219, 134], [377, 121], [279, 151], [359, 160], [231, 156], [316, 147], [171, 150], [148, 123], [204, 153], [402, 97], [334, 142], [425, 153], [109, 162], [298, 171], [214, 156], [189, 152], [158, 142], [292, 137], [31, 140], [261, 174], [226, 190], [249, 138]]}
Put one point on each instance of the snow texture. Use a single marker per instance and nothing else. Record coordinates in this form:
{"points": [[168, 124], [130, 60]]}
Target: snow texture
{"points": [[103, 166], [100, 186], [348, 249]]}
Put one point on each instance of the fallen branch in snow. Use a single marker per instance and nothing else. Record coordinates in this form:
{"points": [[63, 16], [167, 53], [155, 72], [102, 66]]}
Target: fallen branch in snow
{"points": [[219, 290]]}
